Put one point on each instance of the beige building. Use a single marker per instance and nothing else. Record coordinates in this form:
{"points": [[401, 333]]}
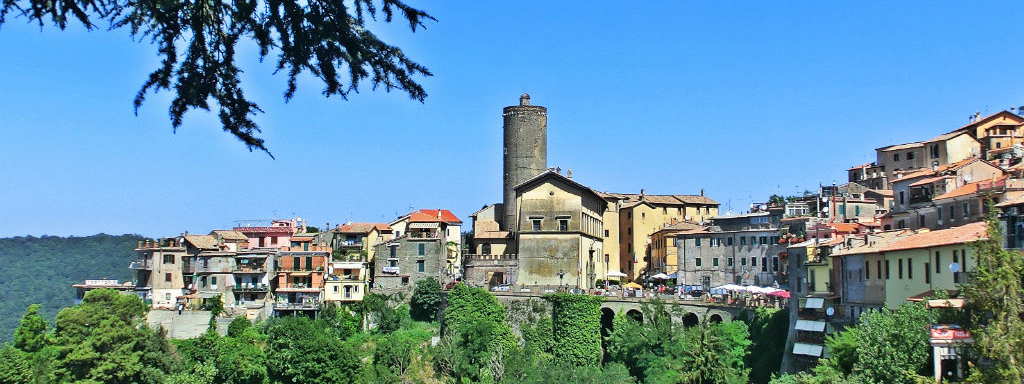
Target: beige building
{"points": [[159, 271], [664, 255], [640, 215], [921, 263], [945, 149], [922, 197], [346, 281], [356, 241], [559, 232]]}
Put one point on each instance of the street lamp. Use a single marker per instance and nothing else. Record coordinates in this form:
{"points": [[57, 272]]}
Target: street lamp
{"points": [[561, 274]]}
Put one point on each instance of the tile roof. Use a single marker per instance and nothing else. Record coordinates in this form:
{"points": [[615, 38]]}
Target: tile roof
{"points": [[969, 188], [876, 242], [229, 235], [844, 227], [635, 199], [1008, 203], [434, 216], [202, 241], [902, 146], [990, 117], [862, 166], [363, 227], [553, 173], [941, 168], [928, 180], [956, 235], [946, 136]]}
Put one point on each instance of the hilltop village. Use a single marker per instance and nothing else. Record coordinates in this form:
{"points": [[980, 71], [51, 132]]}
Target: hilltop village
{"points": [[898, 230]]}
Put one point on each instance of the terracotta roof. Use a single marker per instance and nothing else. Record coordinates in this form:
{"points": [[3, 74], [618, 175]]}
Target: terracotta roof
{"points": [[991, 117], [946, 136], [931, 293], [956, 235], [862, 166], [202, 241], [552, 173], [901, 146], [876, 242], [1008, 203], [941, 168], [287, 230], [967, 189], [844, 227], [229, 235], [883, 192], [433, 216], [681, 227], [301, 239], [928, 180], [636, 199], [363, 227]]}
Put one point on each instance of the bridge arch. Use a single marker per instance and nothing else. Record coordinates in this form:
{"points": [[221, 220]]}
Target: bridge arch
{"points": [[607, 321], [635, 314], [690, 319]]}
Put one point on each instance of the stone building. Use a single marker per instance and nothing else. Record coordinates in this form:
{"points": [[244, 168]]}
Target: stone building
{"points": [[299, 279], [735, 249], [919, 196], [558, 232], [427, 243], [159, 274], [358, 241]]}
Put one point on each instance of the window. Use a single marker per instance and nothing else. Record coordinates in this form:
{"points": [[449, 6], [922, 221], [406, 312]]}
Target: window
{"points": [[743, 261], [405, 280], [775, 263], [536, 223], [952, 212], [168, 259], [696, 261], [938, 263], [606, 233], [935, 150], [421, 249], [856, 210], [967, 209], [841, 210], [901, 224], [753, 261], [956, 259], [393, 251], [764, 264], [878, 268], [938, 213], [168, 277], [309, 262], [714, 261], [999, 145], [887, 269], [728, 241], [899, 265], [901, 198], [895, 157], [296, 263], [563, 224], [273, 240], [920, 221], [910, 155], [910, 268], [867, 269], [762, 240], [213, 282], [729, 261], [927, 274], [696, 241], [485, 249], [743, 240], [420, 266]]}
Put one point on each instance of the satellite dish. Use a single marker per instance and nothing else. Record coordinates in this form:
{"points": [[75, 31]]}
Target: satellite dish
{"points": [[830, 311], [954, 267]]}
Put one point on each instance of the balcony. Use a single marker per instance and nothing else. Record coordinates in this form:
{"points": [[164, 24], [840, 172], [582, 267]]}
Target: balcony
{"points": [[304, 306], [199, 268], [141, 264], [390, 270], [250, 269], [351, 244], [424, 235], [347, 278], [250, 287]]}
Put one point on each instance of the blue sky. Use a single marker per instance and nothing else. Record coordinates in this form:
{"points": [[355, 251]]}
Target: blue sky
{"points": [[742, 100]]}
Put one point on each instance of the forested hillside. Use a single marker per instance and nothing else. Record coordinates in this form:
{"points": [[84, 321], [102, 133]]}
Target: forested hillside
{"points": [[42, 269]]}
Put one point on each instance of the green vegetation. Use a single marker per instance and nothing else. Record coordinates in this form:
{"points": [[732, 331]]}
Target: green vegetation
{"points": [[576, 328], [768, 328], [198, 41], [426, 300], [40, 270]]}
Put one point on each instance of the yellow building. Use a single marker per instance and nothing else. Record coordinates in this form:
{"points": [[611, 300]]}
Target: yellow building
{"points": [[664, 256], [345, 282], [640, 215], [919, 264], [356, 241]]}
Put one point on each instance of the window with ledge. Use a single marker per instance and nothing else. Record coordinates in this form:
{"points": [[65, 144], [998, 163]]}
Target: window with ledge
{"points": [[421, 249], [910, 155], [168, 277], [563, 224], [697, 261], [714, 262], [536, 221], [420, 266], [168, 259]]}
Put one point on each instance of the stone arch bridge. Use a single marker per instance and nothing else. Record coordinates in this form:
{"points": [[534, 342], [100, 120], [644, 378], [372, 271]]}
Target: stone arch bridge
{"points": [[691, 311]]}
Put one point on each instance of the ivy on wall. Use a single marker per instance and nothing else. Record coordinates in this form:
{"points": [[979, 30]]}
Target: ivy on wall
{"points": [[576, 328]]}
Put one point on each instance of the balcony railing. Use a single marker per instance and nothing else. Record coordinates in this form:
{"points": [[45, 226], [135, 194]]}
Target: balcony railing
{"points": [[250, 269], [199, 268], [424, 235], [141, 264], [308, 305], [249, 287], [479, 257], [350, 243], [390, 270]]}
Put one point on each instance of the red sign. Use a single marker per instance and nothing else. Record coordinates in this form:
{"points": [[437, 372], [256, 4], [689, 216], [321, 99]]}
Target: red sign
{"points": [[949, 333]]}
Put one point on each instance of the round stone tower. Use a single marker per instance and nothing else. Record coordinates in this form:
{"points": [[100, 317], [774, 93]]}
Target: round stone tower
{"points": [[526, 150]]}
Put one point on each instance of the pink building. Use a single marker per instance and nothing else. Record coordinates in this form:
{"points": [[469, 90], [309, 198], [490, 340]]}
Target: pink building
{"points": [[277, 235]]}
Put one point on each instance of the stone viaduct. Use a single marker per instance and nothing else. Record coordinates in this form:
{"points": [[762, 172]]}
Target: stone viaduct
{"points": [[691, 312]]}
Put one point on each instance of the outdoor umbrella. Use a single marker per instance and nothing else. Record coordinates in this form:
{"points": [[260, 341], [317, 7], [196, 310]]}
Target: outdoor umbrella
{"points": [[616, 274], [780, 293], [660, 276], [632, 285]]}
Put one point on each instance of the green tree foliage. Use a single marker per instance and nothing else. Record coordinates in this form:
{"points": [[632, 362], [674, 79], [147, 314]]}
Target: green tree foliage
{"points": [[466, 305], [103, 340], [899, 338], [56, 263], [994, 297], [238, 325], [15, 366], [538, 337], [197, 42], [341, 319], [426, 300], [768, 328], [381, 311], [30, 336], [662, 351], [400, 355], [576, 328], [477, 337], [300, 350]]}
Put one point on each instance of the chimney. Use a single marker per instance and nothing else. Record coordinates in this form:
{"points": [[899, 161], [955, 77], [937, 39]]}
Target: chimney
{"points": [[439, 213], [641, 193], [702, 191], [524, 99], [568, 173]]}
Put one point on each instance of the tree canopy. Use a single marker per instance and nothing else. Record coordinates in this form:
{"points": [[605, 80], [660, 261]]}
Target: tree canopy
{"points": [[198, 41]]}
